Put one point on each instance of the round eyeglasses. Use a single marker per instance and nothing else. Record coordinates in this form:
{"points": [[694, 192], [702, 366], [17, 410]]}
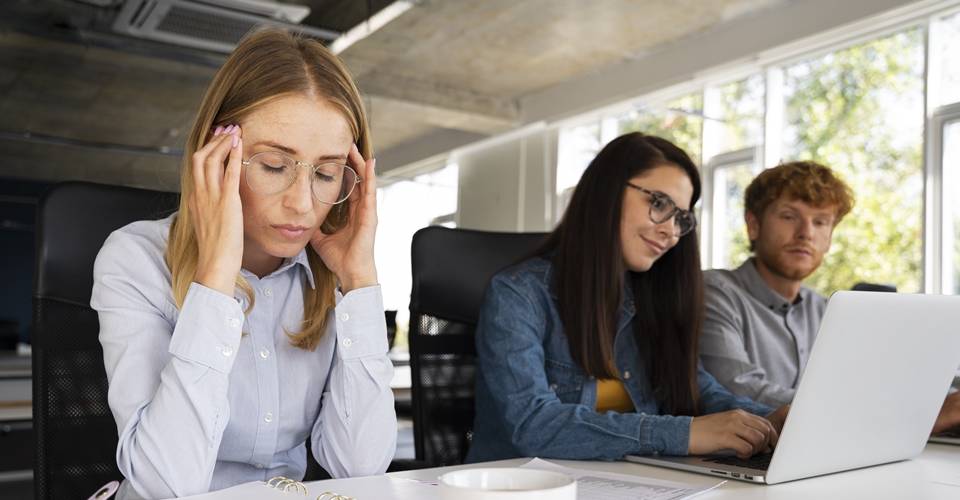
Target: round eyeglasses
{"points": [[662, 208], [270, 172]]}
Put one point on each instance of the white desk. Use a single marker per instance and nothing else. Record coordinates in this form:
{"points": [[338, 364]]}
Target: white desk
{"points": [[933, 475]]}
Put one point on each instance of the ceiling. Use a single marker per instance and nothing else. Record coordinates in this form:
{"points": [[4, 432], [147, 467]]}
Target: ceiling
{"points": [[78, 101]]}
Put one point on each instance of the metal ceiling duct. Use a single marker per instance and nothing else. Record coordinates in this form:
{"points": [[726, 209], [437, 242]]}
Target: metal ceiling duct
{"points": [[214, 25]]}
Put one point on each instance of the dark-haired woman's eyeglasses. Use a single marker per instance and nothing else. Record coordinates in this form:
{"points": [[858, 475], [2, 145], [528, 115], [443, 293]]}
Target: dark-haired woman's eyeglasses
{"points": [[662, 208], [270, 172]]}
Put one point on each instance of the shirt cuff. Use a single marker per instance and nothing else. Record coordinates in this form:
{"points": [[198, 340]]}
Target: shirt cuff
{"points": [[668, 435], [208, 329], [360, 323]]}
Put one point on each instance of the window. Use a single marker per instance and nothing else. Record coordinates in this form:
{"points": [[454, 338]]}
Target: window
{"points": [[734, 116], [577, 146], [732, 174], [403, 207], [951, 206], [860, 111], [680, 121], [945, 65], [732, 132]]}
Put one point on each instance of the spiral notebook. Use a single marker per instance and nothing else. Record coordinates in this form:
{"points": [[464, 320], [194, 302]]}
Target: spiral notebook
{"points": [[358, 488]]}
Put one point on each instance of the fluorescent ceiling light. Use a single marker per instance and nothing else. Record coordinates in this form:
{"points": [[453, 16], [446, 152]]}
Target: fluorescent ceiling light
{"points": [[366, 28]]}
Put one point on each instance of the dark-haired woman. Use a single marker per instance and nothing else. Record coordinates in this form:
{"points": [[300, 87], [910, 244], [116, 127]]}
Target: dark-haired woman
{"points": [[589, 350]]}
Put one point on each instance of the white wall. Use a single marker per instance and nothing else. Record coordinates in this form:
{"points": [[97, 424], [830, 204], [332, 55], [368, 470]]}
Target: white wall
{"points": [[507, 184]]}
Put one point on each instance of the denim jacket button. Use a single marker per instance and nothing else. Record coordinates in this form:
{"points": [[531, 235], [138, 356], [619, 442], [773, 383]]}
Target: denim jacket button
{"points": [[553, 387], [626, 374]]}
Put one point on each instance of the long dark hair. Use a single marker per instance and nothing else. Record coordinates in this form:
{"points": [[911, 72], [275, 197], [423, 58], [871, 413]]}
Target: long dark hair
{"points": [[589, 276]]}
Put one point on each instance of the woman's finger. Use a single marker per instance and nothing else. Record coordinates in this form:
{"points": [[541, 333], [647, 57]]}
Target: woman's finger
{"points": [[368, 186], [764, 426], [742, 447], [757, 439], [231, 178], [214, 163], [370, 193], [197, 161]]}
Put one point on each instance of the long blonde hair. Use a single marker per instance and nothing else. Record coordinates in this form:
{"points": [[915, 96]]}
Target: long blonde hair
{"points": [[265, 65]]}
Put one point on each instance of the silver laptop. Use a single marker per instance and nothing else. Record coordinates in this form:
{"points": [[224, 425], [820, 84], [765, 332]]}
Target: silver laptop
{"points": [[870, 393]]}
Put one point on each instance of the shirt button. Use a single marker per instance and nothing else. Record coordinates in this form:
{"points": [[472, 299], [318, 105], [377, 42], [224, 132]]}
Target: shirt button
{"points": [[264, 353], [226, 351], [344, 316], [234, 322], [268, 417], [626, 375], [553, 387], [268, 292], [259, 466], [347, 342]]}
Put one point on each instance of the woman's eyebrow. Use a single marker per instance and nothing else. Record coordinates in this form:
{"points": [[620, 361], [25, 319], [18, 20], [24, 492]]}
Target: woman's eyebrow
{"points": [[294, 152]]}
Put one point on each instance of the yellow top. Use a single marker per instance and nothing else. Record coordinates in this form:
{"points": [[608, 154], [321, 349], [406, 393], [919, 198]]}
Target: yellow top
{"points": [[612, 396]]}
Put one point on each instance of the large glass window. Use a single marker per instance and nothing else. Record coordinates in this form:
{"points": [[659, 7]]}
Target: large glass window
{"points": [[403, 207], [945, 46], [951, 206], [730, 243], [680, 121], [576, 148], [732, 132], [860, 111], [733, 116]]}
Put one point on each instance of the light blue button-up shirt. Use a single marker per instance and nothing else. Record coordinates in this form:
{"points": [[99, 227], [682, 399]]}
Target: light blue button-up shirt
{"points": [[206, 397]]}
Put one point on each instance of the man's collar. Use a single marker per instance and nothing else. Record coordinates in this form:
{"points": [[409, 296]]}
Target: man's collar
{"points": [[750, 278]]}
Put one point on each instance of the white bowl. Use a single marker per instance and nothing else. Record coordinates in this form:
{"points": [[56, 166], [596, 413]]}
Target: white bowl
{"points": [[507, 484]]}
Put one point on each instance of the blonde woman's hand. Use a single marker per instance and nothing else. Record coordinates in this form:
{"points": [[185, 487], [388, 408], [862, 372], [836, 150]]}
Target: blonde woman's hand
{"points": [[348, 253], [216, 210], [736, 430]]}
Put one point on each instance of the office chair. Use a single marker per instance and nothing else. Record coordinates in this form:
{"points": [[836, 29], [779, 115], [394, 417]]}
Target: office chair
{"points": [[863, 286], [451, 269], [76, 435]]}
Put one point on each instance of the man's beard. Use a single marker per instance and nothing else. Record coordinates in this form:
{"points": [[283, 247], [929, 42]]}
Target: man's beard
{"points": [[771, 261]]}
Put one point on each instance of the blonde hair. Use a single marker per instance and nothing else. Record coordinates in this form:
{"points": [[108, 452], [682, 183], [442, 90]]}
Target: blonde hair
{"points": [[265, 65]]}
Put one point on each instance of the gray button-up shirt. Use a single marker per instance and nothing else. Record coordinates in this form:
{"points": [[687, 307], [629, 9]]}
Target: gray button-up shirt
{"points": [[754, 341], [206, 397]]}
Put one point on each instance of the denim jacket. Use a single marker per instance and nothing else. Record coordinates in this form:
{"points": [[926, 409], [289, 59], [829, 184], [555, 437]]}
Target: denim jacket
{"points": [[534, 400]]}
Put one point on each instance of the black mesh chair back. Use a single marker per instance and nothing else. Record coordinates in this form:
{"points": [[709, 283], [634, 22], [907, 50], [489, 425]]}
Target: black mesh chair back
{"points": [[451, 269], [873, 287], [76, 436]]}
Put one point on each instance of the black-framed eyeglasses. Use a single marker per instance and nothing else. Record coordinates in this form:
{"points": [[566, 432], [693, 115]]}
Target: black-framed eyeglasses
{"points": [[662, 208], [271, 172]]}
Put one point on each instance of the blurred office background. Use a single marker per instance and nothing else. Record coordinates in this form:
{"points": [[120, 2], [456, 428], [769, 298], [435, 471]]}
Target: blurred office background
{"points": [[485, 113]]}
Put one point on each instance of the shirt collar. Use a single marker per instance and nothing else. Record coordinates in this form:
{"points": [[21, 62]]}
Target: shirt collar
{"points": [[300, 260], [750, 279]]}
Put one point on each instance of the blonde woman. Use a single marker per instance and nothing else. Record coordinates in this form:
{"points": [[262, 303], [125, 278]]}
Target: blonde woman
{"points": [[251, 320]]}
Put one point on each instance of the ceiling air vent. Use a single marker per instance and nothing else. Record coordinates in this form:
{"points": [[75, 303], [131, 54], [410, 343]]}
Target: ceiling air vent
{"points": [[215, 25]]}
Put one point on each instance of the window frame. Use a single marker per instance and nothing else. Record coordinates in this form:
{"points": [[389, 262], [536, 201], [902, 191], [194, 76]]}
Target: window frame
{"points": [[937, 247]]}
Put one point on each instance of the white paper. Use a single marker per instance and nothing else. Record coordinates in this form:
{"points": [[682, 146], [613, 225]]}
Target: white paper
{"points": [[361, 488], [596, 485]]}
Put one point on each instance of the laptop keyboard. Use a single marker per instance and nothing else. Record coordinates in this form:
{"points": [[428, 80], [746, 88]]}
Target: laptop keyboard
{"points": [[760, 462], [952, 433]]}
